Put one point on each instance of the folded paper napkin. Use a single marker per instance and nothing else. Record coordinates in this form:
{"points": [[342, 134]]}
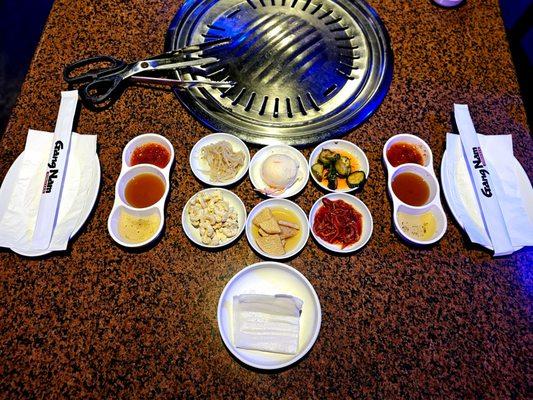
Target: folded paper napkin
{"points": [[18, 217], [267, 323], [514, 195]]}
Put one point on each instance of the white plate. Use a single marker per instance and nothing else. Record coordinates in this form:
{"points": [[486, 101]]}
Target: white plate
{"points": [[453, 196], [261, 155], [279, 203], [10, 182], [270, 278], [233, 200], [200, 167], [338, 145], [368, 224]]}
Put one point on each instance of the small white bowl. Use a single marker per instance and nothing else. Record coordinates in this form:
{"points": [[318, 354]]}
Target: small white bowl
{"points": [[200, 167], [410, 139], [143, 139], [271, 278], [427, 176], [279, 203], [112, 223], [368, 223], [136, 170], [259, 158], [438, 213], [346, 146], [233, 200]]}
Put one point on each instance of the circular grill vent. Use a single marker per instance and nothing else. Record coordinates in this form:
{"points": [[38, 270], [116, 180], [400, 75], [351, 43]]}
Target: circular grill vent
{"points": [[304, 70]]}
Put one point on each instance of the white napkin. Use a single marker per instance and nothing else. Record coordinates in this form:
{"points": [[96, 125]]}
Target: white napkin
{"points": [[267, 323], [18, 218], [514, 196]]}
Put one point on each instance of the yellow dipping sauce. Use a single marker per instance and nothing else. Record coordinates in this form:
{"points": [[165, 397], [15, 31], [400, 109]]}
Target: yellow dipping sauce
{"points": [[285, 215], [134, 229], [419, 227]]}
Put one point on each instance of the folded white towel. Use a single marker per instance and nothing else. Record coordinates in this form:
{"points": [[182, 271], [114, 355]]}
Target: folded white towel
{"points": [[267, 323]]}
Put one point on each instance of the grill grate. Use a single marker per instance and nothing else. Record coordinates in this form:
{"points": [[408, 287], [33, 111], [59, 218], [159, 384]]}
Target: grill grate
{"points": [[304, 70]]}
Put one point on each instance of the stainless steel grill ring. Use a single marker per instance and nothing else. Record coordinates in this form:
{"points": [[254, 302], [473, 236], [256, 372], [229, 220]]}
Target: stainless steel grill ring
{"points": [[305, 70]]}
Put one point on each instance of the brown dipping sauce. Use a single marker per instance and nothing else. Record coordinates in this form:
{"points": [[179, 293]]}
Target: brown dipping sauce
{"points": [[150, 153], [403, 153], [144, 190], [411, 188]]}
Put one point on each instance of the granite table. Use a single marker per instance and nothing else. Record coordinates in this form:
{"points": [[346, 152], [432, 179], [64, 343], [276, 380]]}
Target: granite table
{"points": [[98, 321]]}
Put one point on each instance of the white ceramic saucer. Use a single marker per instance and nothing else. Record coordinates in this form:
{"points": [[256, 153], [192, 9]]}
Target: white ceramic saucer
{"points": [[270, 278]]}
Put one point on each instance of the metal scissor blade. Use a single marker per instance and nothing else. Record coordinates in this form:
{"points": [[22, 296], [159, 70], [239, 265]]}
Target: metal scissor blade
{"points": [[183, 63], [188, 50], [195, 48], [204, 46], [199, 84], [182, 84]]}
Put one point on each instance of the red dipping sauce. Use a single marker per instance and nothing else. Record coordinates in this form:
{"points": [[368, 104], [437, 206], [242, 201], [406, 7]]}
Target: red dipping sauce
{"points": [[337, 222], [151, 153], [403, 153]]}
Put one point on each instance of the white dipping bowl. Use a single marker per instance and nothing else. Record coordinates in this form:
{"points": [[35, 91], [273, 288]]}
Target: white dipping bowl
{"points": [[114, 218], [421, 145], [263, 154], [368, 224], [438, 213], [194, 234], [200, 167], [139, 140], [424, 174], [279, 203], [132, 172], [342, 145]]}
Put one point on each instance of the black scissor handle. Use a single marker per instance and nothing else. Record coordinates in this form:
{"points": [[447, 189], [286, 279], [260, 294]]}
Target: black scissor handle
{"points": [[112, 66], [101, 89]]}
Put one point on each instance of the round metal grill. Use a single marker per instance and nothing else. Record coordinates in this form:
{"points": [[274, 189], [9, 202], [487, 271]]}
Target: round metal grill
{"points": [[305, 70]]}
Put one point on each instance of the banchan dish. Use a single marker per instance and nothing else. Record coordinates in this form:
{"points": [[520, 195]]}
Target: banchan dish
{"points": [[358, 162], [362, 213], [138, 215], [279, 171], [270, 278], [281, 209], [214, 206], [200, 166], [414, 189]]}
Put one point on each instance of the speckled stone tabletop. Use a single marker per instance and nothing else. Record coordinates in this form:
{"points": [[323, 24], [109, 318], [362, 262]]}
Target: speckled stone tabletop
{"points": [[447, 321]]}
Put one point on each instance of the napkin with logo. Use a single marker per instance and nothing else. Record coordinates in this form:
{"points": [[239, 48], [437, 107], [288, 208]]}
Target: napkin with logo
{"points": [[18, 215], [514, 195]]}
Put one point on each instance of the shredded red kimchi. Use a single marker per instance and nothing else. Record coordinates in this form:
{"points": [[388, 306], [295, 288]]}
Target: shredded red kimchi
{"points": [[337, 222]]}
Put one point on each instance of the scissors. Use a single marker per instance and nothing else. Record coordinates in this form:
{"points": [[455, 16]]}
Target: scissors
{"points": [[101, 83]]}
